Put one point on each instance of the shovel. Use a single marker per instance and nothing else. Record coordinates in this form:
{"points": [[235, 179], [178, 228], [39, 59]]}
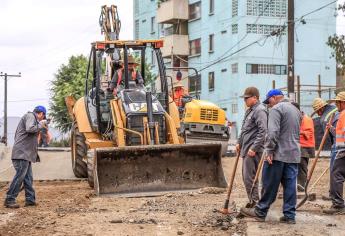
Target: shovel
{"points": [[314, 164], [225, 209], [258, 171]]}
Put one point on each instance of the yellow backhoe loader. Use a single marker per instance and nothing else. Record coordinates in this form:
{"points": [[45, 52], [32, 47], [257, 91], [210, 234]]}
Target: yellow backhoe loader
{"points": [[126, 140]]}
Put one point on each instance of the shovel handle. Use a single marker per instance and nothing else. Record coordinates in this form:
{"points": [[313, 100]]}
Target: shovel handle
{"points": [[320, 148], [232, 177]]}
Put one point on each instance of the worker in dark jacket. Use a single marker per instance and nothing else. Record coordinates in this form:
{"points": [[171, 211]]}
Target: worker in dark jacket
{"points": [[24, 153], [325, 111], [251, 141], [282, 149]]}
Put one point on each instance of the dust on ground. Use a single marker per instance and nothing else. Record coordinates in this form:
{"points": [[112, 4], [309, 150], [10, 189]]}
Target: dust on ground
{"points": [[71, 208]]}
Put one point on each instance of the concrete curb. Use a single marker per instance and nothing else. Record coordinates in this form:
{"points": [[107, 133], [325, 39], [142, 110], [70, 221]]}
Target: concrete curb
{"points": [[54, 149]]}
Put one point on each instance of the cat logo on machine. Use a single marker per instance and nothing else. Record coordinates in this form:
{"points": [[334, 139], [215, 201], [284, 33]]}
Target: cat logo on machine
{"points": [[141, 107]]}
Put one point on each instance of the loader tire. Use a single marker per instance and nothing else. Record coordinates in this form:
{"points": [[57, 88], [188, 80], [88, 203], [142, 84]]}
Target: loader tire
{"points": [[90, 171], [79, 152]]}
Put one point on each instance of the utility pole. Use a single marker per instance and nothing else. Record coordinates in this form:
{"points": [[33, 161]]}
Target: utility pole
{"points": [[5, 103], [291, 50]]}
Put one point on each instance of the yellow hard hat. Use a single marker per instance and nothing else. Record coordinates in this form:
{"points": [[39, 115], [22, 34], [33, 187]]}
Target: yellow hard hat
{"points": [[318, 103], [340, 97]]}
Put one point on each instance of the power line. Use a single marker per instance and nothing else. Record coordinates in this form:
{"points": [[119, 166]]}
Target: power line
{"points": [[273, 33]]}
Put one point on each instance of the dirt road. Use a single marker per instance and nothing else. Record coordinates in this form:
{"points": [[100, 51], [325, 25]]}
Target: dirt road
{"points": [[71, 208]]}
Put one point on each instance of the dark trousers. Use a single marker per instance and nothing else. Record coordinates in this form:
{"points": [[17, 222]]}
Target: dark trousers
{"points": [[302, 173], [249, 168], [337, 182], [23, 175], [331, 165], [272, 176]]}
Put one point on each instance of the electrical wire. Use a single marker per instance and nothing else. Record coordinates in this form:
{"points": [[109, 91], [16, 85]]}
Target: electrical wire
{"points": [[273, 33]]}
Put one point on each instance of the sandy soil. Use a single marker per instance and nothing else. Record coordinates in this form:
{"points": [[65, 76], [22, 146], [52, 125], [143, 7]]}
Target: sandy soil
{"points": [[71, 208]]}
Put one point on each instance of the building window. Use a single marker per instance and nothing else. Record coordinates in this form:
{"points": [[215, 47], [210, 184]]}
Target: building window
{"points": [[276, 8], [211, 9], [234, 8], [211, 43], [234, 68], [264, 29], [266, 69], [195, 11], [211, 81], [136, 34], [136, 6], [153, 24], [234, 108], [234, 29], [194, 83], [195, 47]]}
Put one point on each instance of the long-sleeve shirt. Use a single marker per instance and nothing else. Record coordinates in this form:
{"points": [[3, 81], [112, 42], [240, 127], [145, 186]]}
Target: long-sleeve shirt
{"points": [[25, 140], [326, 115], [283, 132], [307, 134], [253, 131]]}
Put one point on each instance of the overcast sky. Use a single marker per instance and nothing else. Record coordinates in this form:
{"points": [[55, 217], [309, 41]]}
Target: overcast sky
{"points": [[39, 35], [36, 36]]}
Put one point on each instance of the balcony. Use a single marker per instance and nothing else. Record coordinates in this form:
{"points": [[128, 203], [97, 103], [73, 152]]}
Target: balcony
{"points": [[171, 11], [179, 43]]}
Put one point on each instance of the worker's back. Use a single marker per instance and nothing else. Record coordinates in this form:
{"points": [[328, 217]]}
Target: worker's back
{"points": [[284, 128]]}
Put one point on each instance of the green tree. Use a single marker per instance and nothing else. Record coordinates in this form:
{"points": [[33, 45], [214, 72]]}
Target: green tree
{"points": [[149, 76], [69, 80]]}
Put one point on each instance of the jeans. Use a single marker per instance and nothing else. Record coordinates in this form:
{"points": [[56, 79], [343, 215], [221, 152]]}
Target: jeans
{"points": [[23, 175], [272, 176]]}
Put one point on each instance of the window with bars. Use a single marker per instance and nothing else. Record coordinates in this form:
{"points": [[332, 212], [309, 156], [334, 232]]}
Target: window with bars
{"points": [[234, 68], [211, 81], [264, 29], [234, 8], [136, 34], [266, 69], [270, 8], [195, 47], [136, 6], [195, 11], [194, 84], [234, 28], [211, 43]]}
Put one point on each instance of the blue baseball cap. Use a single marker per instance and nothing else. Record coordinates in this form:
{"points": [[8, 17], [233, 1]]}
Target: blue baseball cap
{"points": [[41, 109], [271, 93]]}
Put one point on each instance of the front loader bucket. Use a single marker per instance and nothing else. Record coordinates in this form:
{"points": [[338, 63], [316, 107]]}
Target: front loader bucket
{"points": [[154, 168]]}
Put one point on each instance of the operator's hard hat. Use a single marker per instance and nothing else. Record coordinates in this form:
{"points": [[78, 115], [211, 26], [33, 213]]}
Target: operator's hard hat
{"points": [[318, 103], [131, 60], [178, 85]]}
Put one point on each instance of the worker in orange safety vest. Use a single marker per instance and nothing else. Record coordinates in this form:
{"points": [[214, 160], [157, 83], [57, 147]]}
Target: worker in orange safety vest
{"points": [[338, 171], [179, 92]]}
